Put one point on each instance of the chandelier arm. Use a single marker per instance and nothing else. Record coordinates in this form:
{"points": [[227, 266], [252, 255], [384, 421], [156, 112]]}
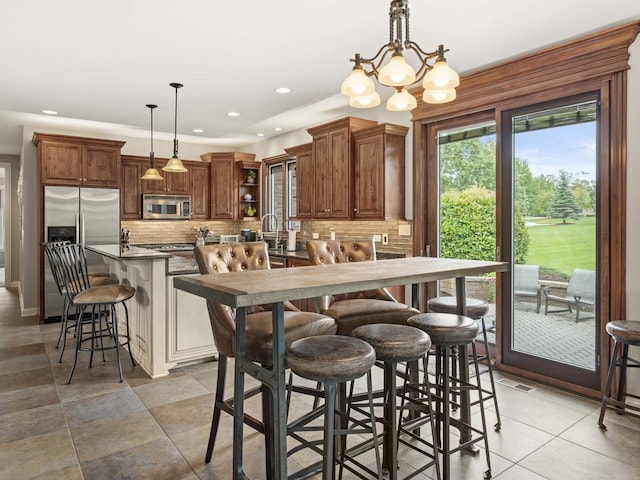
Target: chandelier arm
{"points": [[374, 62]]}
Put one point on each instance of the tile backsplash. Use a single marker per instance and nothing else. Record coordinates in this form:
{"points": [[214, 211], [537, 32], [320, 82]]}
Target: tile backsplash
{"points": [[156, 231]]}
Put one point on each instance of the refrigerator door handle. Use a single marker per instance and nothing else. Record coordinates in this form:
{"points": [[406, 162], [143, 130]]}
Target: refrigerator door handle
{"points": [[82, 229], [78, 228]]}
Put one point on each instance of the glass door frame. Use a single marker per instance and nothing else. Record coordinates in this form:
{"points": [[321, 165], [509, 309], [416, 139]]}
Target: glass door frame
{"points": [[505, 201]]}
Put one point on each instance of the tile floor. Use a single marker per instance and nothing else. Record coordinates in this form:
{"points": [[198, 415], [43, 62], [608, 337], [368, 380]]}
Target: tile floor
{"points": [[98, 428]]}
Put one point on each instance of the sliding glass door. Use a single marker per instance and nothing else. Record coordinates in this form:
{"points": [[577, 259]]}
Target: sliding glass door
{"points": [[550, 217]]}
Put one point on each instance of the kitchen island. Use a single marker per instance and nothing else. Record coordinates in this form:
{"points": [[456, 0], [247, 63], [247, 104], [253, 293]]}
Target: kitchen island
{"points": [[168, 327]]}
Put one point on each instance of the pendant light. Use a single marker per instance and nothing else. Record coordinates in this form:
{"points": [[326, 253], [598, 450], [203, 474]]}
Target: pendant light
{"points": [[175, 164], [151, 173]]}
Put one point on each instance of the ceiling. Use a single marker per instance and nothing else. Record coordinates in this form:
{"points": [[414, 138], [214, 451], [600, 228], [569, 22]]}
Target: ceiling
{"points": [[98, 63]]}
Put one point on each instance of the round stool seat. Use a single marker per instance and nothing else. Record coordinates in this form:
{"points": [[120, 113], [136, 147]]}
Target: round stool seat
{"points": [[333, 357], [475, 308], [446, 328], [394, 342], [625, 331]]}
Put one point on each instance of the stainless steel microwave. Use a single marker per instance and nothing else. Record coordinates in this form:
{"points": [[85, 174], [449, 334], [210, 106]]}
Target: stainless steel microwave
{"points": [[166, 207]]}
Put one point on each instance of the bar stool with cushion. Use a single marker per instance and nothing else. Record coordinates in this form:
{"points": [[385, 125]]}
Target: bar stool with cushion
{"points": [[446, 331], [96, 279], [394, 344], [100, 332], [361, 308], [476, 309], [234, 257], [332, 360], [623, 333]]}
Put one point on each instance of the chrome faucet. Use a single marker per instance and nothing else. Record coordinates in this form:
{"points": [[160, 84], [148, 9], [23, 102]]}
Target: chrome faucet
{"points": [[276, 220]]}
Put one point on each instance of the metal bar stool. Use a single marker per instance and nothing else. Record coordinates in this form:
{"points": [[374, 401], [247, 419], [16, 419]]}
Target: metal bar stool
{"points": [[95, 279], [446, 331], [476, 309], [103, 322], [394, 344], [624, 333], [332, 360]]}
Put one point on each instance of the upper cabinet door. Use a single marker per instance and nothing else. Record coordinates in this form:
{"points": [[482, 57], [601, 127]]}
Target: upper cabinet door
{"points": [[222, 188], [60, 163], [199, 189], [101, 166], [130, 192]]}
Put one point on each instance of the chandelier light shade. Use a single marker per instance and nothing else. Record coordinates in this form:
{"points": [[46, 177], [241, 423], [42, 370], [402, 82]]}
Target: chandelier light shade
{"points": [[152, 173], [401, 101], [175, 164], [439, 80], [365, 101]]}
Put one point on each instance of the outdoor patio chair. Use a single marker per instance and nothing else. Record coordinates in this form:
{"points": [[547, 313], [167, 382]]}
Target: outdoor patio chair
{"points": [[581, 292], [526, 283]]}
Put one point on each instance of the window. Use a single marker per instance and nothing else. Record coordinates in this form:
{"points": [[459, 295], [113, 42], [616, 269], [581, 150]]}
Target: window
{"points": [[281, 193]]}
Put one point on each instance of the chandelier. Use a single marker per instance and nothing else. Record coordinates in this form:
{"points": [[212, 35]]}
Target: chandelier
{"points": [[438, 79]]}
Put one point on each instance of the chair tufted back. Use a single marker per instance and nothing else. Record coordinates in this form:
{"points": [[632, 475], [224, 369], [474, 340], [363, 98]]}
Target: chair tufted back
{"points": [[224, 258], [340, 251], [328, 252], [232, 257]]}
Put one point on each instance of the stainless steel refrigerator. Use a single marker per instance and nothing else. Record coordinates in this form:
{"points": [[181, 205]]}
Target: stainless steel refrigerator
{"points": [[89, 216]]}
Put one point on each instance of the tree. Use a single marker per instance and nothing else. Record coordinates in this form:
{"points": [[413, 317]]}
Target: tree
{"points": [[467, 163], [563, 203]]}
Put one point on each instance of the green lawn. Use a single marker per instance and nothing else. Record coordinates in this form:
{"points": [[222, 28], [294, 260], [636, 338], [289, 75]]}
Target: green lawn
{"points": [[563, 247]]}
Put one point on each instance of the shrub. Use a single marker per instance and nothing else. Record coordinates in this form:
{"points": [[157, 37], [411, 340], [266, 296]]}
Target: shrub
{"points": [[468, 226]]}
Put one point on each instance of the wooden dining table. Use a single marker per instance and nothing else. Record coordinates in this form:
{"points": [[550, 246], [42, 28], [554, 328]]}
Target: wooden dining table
{"points": [[257, 287]]}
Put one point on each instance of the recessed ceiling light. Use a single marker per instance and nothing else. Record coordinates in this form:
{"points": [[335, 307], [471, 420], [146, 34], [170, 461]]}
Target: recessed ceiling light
{"points": [[233, 114], [278, 129], [261, 134], [49, 112], [283, 90], [198, 130]]}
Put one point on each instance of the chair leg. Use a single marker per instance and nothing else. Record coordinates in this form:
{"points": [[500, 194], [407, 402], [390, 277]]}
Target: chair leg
{"points": [[498, 424], [607, 389], [328, 462], [126, 317], [116, 339], [219, 398], [63, 328], [78, 343]]}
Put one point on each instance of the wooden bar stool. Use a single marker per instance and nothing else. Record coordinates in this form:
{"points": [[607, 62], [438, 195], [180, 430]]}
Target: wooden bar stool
{"points": [[331, 360], [476, 309], [446, 331], [624, 333], [394, 344]]}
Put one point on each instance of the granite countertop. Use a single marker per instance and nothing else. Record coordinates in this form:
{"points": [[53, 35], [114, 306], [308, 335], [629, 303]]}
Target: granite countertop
{"points": [[129, 252]]}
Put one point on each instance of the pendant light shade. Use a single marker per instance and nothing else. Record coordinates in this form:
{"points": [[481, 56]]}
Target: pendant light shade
{"points": [[175, 164], [151, 173]]}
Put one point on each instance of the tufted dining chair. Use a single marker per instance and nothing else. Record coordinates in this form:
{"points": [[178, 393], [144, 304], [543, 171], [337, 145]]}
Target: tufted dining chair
{"points": [[353, 310], [233, 257]]}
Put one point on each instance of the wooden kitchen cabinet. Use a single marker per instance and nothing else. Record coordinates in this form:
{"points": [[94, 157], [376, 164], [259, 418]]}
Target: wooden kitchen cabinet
{"points": [[229, 184], [199, 182], [329, 188], [78, 161], [130, 187], [194, 182], [172, 183], [305, 200], [379, 172]]}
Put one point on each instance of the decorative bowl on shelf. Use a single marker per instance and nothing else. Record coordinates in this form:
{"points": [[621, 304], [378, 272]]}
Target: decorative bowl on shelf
{"points": [[248, 197]]}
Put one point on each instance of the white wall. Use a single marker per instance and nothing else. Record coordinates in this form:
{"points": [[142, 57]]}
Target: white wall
{"points": [[633, 201]]}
